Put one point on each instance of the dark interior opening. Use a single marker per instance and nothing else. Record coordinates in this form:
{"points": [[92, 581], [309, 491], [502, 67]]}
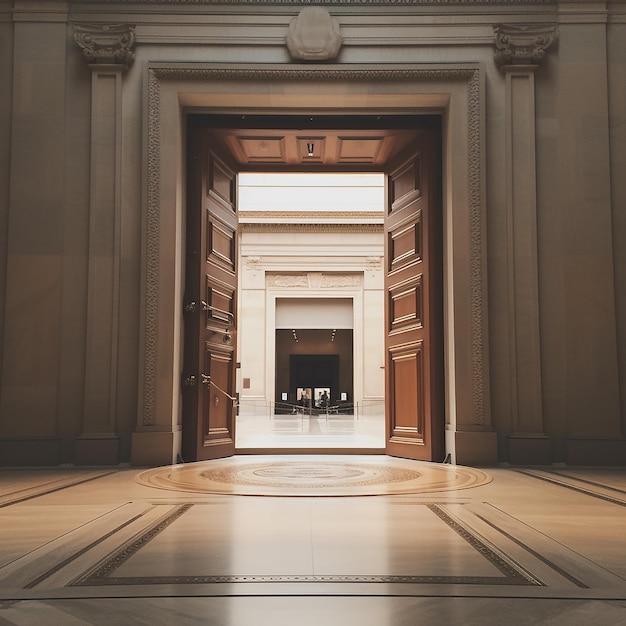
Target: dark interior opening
{"points": [[314, 359]]}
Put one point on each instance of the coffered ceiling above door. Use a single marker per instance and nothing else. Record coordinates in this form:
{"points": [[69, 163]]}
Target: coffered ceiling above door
{"points": [[351, 143], [342, 148]]}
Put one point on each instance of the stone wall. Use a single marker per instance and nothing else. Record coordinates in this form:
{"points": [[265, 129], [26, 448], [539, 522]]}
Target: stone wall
{"points": [[92, 190]]}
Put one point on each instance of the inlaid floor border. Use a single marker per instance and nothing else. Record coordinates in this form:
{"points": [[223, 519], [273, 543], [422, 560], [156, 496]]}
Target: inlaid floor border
{"points": [[61, 564], [514, 574], [559, 570], [560, 480], [587, 481], [129, 548], [51, 487]]}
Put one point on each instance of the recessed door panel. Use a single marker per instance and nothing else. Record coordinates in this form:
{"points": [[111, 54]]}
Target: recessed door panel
{"points": [[220, 244], [221, 300], [217, 426], [405, 182], [405, 305], [405, 244], [407, 381]]}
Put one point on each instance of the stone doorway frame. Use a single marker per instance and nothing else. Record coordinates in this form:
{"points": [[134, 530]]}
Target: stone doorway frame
{"points": [[454, 90]]}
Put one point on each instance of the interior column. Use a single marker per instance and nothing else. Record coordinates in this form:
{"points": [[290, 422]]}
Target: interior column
{"points": [[520, 48], [108, 49]]}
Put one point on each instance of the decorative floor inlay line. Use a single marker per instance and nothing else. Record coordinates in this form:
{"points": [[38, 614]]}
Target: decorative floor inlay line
{"points": [[306, 578], [556, 479], [513, 574], [130, 548], [31, 493], [61, 564], [313, 476], [535, 554], [594, 483], [513, 571]]}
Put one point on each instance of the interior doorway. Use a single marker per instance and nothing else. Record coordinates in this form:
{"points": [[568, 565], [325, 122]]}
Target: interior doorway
{"points": [[321, 372], [311, 286], [408, 150]]}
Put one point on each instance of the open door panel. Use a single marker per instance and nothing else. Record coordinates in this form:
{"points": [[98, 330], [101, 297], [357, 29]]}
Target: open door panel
{"points": [[210, 302], [413, 307]]}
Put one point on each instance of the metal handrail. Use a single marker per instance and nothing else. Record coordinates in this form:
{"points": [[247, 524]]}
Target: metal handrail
{"points": [[229, 316]]}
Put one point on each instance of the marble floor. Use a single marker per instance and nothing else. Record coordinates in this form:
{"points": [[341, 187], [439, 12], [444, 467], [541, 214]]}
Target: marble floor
{"points": [[529, 546], [304, 431]]}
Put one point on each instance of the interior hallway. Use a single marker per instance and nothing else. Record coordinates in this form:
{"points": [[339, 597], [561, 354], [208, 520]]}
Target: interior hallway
{"points": [[533, 546]]}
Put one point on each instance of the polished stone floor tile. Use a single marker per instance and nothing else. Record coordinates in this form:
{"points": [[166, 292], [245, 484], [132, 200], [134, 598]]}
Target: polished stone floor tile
{"points": [[528, 546], [313, 611], [26, 527]]}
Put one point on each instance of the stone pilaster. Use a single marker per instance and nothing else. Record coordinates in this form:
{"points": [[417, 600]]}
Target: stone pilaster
{"points": [[519, 50], [108, 49]]}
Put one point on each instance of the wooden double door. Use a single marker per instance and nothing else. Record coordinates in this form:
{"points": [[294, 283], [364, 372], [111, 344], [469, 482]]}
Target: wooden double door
{"points": [[414, 410]]}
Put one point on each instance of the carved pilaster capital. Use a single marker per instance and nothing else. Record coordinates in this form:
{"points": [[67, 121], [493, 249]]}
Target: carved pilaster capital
{"points": [[522, 44], [110, 44]]}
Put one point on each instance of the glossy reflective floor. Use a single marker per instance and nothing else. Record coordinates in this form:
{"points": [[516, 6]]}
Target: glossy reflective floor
{"points": [[532, 546], [304, 430]]}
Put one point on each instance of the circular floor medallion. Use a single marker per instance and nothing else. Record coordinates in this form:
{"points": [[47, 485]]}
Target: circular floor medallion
{"points": [[313, 476]]}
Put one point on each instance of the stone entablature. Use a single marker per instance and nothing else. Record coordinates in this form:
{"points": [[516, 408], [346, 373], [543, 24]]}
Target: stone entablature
{"points": [[312, 222], [300, 217]]}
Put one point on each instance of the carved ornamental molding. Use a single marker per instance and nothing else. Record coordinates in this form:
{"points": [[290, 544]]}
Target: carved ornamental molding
{"points": [[314, 35], [158, 75], [287, 280], [110, 44], [522, 44], [314, 280], [311, 228]]}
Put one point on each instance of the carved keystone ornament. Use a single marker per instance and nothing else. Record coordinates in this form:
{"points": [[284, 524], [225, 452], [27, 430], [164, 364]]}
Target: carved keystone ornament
{"points": [[314, 35]]}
